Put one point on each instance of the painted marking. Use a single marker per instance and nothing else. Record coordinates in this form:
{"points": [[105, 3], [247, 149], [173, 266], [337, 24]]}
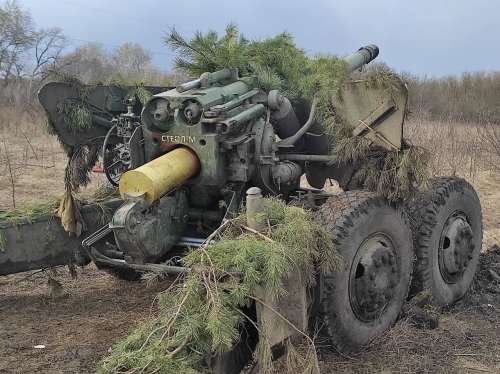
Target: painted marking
{"points": [[178, 139]]}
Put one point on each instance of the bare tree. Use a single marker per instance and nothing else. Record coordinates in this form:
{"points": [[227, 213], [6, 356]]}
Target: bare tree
{"points": [[48, 46], [131, 59], [16, 36], [133, 64], [489, 135], [89, 63]]}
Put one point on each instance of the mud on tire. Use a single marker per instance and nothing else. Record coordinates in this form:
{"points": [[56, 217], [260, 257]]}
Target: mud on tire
{"points": [[364, 299], [446, 223]]}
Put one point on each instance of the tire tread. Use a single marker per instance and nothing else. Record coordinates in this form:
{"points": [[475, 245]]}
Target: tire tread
{"points": [[338, 214], [423, 210]]}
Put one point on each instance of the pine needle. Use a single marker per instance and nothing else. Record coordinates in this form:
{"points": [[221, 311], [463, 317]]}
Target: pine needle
{"points": [[277, 63], [204, 314]]}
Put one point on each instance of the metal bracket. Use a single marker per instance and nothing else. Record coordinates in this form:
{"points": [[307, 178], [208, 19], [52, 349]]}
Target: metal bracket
{"points": [[371, 121], [96, 236]]}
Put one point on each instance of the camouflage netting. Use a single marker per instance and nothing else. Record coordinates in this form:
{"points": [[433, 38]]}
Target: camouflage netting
{"points": [[395, 174], [82, 158], [279, 64], [204, 313]]}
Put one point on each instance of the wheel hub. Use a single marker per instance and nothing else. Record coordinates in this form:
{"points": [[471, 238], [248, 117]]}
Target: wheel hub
{"points": [[374, 276], [455, 248]]}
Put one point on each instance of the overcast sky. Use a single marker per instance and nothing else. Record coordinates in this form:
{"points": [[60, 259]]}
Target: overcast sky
{"points": [[425, 37]]}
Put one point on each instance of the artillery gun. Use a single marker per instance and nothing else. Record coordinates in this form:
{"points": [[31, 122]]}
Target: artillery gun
{"points": [[184, 161]]}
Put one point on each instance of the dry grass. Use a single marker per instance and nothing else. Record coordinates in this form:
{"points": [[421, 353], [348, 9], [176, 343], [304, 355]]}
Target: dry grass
{"points": [[465, 150], [32, 161], [456, 148], [467, 340], [463, 343]]}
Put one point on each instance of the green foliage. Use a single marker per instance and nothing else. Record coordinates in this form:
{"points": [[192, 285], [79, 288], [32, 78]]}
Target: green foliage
{"points": [[279, 64], [81, 160], [28, 213], [209, 52], [284, 59], [76, 115], [43, 209], [395, 175], [324, 79], [133, 88], [143, 94], [204, 313], [267, 79], [3, 241], [49, 126]]}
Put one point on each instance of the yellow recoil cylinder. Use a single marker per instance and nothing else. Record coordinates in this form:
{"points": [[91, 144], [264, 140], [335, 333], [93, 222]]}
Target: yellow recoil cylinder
{"points": [[160, 175]]}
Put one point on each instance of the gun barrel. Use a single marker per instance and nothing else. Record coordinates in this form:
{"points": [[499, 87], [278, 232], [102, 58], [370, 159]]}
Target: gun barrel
{"points": [[361, 57], [161, 175]]}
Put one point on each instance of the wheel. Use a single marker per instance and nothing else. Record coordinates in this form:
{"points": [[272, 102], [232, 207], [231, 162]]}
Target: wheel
{"points": [[115, 157], [447, 230], [364, 299]]}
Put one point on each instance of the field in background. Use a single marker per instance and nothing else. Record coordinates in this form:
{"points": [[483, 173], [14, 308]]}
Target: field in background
{"points": [[32, 161], [96, 310], [465, 150]]}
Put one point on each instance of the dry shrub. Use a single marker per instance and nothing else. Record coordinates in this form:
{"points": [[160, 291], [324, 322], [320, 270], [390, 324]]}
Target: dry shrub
{"points": [[36, 158], [471, 97], [489, 135], [456, 148], [14, 121]]}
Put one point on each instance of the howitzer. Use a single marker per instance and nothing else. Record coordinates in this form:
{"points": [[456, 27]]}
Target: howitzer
{"points": [[184, 160]]}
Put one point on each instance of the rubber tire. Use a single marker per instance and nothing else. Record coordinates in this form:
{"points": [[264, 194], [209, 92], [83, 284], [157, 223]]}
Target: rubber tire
{"points": [[351, 217], [429, 212]]}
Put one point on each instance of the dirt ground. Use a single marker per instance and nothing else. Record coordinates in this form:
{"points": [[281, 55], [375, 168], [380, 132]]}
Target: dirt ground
{"points": [[76, 328], [467, 339], [95, 310]]}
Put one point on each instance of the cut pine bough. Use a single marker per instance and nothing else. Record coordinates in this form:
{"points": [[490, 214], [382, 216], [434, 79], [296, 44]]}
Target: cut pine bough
{"points": [[34, 238], [241, 283]]}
